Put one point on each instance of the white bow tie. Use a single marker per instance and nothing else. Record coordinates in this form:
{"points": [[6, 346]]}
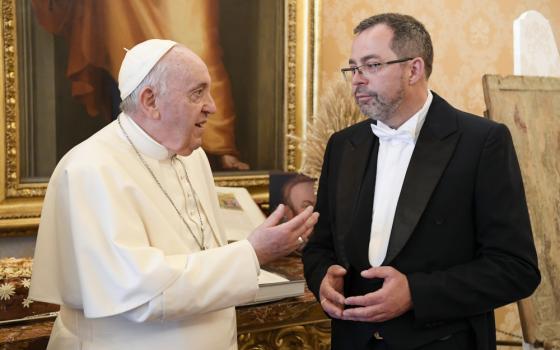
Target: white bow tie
{"points": [[402, 135]]}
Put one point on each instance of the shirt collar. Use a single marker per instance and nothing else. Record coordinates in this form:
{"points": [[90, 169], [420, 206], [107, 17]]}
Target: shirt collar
{"points": [[143, 142], [414, 124]]}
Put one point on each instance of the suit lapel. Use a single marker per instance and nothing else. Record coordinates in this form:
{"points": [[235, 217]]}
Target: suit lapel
{"points": [[356, 155], [360, 233], [435, 146]]}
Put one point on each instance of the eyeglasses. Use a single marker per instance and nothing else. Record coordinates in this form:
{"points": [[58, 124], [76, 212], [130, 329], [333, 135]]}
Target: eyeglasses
{"points": [[369, 68]]}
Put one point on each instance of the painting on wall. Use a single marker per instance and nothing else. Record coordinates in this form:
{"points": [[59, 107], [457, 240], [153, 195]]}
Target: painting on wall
{"points": [[70, 54], [60, 60]]}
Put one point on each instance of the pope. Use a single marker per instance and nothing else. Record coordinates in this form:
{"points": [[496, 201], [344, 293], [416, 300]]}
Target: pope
{"points": [[130, 243]]}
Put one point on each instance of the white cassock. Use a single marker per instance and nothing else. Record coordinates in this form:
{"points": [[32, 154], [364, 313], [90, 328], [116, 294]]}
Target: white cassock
{"points": [[114, 253]]}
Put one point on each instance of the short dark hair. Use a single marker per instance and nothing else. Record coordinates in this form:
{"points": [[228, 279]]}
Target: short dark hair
{"points": [[410, 37]]}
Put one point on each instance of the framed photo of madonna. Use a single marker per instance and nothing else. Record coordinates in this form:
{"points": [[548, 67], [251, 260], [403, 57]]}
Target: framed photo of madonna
{"points": [[60, 60]]}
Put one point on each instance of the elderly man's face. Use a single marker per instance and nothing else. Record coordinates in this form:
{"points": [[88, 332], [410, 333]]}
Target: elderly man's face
{"points": [[379, 94], [186, 103]]}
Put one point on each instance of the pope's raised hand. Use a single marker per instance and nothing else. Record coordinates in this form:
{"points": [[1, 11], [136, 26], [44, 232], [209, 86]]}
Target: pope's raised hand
{"points": [[272, 239]]}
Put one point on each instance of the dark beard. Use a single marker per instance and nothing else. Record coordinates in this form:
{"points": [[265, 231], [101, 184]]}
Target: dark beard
{"points": [[380, 108]]}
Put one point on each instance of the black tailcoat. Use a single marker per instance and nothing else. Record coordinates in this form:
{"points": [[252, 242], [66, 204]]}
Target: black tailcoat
{"points": [[461, 232]]}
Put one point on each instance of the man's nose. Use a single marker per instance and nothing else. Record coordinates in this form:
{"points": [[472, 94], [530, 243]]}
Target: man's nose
{"points": [[358, 78], [210, 106]]}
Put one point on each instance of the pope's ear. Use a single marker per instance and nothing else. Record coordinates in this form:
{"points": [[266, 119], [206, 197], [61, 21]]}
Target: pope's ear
{"points": [[147, 101]]}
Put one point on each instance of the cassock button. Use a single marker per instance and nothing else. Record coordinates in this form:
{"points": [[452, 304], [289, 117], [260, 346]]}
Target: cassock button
{"points": [[377, 336]]}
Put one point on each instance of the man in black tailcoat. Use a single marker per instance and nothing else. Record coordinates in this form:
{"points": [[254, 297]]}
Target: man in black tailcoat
{"points": [[423, 227]]}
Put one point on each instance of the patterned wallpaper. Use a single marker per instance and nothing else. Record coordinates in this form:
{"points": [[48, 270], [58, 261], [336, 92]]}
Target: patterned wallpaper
{"points": [[471, 38]]}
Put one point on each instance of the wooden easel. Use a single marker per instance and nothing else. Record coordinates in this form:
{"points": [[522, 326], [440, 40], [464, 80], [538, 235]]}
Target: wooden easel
{"points": [[530, 107]]}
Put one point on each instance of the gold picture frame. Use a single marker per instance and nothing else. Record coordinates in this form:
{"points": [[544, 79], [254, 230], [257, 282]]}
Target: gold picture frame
{"points": [[21, 202]]}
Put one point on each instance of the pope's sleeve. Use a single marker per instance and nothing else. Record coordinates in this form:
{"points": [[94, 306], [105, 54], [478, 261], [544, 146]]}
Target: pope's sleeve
{"points": [[111, 266], [205, 286], [211, 280]]}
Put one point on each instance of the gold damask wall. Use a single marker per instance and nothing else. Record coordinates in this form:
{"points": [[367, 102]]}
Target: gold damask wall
{"points": [[471, 38]]}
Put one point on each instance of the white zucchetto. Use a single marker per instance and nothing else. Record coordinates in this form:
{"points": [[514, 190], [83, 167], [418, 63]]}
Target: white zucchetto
{"points": [[139, 61]]}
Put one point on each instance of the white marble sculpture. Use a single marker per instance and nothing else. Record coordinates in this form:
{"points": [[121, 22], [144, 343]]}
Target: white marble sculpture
{"points": [[534, 47]]}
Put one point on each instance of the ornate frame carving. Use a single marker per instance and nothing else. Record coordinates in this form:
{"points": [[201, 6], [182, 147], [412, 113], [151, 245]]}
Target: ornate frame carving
{"points": [[20, 203]]}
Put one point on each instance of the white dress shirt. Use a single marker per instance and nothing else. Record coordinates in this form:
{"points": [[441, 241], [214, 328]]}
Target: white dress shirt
{"points": [[395, 150]]}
